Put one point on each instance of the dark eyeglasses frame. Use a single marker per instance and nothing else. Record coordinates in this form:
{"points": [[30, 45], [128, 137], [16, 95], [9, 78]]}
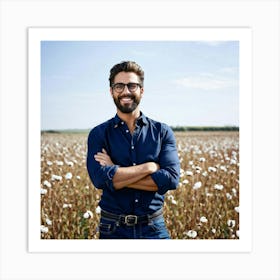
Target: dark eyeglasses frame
{"points": [[129, 85]]}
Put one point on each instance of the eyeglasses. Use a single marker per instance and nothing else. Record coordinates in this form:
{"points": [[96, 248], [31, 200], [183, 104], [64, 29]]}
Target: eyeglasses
{"points": [[119, 87]]}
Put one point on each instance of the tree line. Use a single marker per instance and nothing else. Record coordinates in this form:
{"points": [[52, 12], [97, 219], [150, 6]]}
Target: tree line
{"points": [[205, 128]]}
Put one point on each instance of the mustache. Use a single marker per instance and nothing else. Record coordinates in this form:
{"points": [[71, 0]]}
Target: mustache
{"points": [[126, 95]]}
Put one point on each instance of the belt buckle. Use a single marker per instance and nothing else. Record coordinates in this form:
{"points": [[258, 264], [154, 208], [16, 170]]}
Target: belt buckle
{"points": [[130, 220]]}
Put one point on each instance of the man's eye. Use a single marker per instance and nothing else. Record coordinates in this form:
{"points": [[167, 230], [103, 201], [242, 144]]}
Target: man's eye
{"points": [[132, 86], [119, 86]]}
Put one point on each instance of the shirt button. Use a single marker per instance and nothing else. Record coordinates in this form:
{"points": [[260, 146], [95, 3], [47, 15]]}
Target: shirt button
{"points": [[122, 122], [132, 147], [127, 131], [136, 200], [134, 163]]}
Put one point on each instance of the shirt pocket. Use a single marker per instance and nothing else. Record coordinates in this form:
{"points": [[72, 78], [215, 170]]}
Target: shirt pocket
{"points": [[107, 227]]}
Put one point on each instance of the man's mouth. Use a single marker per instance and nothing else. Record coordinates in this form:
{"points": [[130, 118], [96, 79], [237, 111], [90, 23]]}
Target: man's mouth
{"points": [[126, 99], [126, 103]]}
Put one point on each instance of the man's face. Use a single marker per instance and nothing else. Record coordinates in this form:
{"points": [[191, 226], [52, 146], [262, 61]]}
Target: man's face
{"points": [[128, 99]]}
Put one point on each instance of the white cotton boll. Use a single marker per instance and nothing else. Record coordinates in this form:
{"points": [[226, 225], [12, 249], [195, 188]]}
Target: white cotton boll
{"points": [[192, 234], [212, 169], [44, 229], [236, 209], [170, 197], [231, 223], [204, 174], [98, 210], [173, 201], [43, 191], [70, 163], [68, 176], [198, 169], [49, 163], [203, 219], [213, 153], [88, 214], [229, 196], [47, 184], [59, 162], [218, 187], [56, 178], [48, 222], [197, 185], [223, 168], [189, 173], [65, 205], [185, 182], [202, 159], [234, 191]]}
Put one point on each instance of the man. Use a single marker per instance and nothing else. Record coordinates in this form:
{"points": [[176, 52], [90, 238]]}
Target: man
{"points": [[134, 160]]}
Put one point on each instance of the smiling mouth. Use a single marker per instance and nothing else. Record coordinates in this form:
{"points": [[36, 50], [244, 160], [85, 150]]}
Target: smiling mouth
{"points": [[126, 103], [126, 99]]}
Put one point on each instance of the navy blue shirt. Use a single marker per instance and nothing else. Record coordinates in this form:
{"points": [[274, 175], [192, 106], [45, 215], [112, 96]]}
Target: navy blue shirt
{"points": [[151, 141]]}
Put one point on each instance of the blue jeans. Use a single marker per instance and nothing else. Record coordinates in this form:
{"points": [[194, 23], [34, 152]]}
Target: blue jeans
{"points": [[112, 229]]}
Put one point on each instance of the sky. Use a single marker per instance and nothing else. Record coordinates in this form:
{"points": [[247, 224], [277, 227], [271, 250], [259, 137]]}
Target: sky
{"points": [[187, 83]]}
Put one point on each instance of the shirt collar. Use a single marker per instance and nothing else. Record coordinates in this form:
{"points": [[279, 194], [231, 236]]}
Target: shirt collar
{"points": [[142, 120], [116, 120]]}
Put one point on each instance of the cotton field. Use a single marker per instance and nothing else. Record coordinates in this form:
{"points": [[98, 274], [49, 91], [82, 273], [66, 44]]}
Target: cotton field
{"points": [[204, 206]]}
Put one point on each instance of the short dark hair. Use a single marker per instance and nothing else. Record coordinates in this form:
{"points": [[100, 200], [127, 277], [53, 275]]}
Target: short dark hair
{"points": [[126, 66]]}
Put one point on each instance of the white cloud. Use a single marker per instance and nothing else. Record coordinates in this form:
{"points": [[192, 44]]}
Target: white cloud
{"points": [[228, 70], [205, 82]]}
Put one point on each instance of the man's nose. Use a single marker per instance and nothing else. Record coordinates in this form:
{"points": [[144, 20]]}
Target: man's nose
{"points": [[126, 90]]}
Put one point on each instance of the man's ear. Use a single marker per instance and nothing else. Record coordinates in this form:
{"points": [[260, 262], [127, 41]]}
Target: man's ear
{"points": [[111, 91], [142, 90]]}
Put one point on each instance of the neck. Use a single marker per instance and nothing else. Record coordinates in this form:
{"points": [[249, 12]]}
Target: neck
{"points": [[129, 119]]}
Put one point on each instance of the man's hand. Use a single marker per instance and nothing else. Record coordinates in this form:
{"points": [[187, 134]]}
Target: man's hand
{"points": [[153, 167], [103, 158]]}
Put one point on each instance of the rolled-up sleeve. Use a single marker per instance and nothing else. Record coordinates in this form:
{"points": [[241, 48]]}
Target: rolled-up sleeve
{"points": [[101, 176], [167, 177]]}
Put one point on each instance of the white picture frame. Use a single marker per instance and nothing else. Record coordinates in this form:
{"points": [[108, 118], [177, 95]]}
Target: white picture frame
{"points": [[242, 35], [262, 18]]}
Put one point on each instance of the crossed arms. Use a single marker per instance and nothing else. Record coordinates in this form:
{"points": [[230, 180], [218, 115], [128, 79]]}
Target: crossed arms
{"points": [[135, 177], [148, 176]]}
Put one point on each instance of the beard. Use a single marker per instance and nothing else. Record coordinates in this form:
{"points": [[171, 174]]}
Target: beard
{"points": [[127, 107]]}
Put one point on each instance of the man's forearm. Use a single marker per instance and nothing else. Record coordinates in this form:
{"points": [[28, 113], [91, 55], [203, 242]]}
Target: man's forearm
{"points": [[126, 176], [144, 184]]}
